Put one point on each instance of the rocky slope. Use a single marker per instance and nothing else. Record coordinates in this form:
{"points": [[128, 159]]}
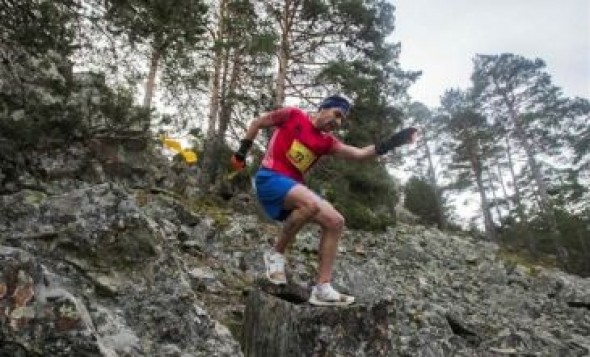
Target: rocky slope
{"points": [[99, 258]]}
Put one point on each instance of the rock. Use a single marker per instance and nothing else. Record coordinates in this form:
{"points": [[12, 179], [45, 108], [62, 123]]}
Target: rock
{"points": [[275, 326], [38, 317], [114, 262]]}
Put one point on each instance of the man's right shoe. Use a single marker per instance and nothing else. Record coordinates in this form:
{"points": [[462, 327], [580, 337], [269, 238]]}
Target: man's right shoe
{"points": [[275, 267], [327, 296]]}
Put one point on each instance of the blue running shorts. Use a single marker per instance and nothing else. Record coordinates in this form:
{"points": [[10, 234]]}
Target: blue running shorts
{"points": [[271, 189]]}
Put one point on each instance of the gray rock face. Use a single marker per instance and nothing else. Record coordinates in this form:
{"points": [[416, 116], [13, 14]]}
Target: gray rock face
{"points": [[40, 317], [94, 275], [277, 327], [112, 266], [449, 294]]}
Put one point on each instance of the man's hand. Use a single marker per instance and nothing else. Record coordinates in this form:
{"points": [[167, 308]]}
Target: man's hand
{"points": [[238, 159], [238, 162]]}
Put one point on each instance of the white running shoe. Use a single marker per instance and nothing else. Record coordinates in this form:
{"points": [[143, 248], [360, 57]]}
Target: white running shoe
{"points": [[327, 296], [275, 267]]}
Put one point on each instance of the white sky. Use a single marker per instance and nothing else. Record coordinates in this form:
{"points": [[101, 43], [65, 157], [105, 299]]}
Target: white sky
{"points": [[440, 37]]}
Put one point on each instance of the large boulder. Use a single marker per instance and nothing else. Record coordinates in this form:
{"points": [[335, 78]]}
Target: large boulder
{"points": [[90, 272], [286, 325], [39, 317]]}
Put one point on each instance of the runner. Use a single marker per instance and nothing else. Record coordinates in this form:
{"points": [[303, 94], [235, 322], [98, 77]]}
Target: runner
{"points": [[298, 141]]}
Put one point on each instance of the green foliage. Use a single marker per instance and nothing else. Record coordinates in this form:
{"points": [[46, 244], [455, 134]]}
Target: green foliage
{"points": [[38, 26], [119, 111], [369, 73], [359, 216], [314, 10], [512, 258], [40, 98], [367, 24], [34, 71], [523, 102], [34, 88], [574, 231], [264, 43], [167, 25], [364, 192], [471, 143], [421, 200], [57, 109], [573, 249]]}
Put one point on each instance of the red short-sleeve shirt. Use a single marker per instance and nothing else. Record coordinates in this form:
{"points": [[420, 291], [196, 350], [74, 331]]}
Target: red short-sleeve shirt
{"points": [[296, 145]]}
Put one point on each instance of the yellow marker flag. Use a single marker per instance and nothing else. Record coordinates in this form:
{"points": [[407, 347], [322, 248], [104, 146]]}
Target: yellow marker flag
{"points": [[189, 156], [172, 144]]}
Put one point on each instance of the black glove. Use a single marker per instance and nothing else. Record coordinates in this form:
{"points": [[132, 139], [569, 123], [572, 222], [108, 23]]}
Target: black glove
{"points": [[398, 139], [239, 157]]}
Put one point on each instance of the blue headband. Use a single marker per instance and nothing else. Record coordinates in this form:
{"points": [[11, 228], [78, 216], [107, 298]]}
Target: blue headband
{"points": [[336, 101]]}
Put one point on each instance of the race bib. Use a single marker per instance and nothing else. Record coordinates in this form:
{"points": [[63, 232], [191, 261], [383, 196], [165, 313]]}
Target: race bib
{"points": [[300, 156]]}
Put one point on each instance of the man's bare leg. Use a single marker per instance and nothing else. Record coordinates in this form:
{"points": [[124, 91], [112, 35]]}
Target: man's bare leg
{"points": [[332, 224], [304, 205]]}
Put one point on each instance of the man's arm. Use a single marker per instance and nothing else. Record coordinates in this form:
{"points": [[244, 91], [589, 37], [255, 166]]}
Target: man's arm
{"points": [[349, 152], [266, 120], [405, 136]]}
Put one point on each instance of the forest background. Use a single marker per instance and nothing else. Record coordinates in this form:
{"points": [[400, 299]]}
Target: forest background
{"points": [[203, 69]]}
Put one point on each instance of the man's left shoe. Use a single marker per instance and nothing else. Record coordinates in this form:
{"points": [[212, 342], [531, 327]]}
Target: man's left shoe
{"points": [[327, 296], [275, 267]]}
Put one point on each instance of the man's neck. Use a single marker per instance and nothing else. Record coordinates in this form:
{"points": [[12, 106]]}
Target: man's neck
{"points": [[314, 119]]}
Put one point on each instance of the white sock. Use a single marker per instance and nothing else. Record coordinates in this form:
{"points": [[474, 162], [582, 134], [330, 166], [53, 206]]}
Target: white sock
{"points": [[323, 287]]}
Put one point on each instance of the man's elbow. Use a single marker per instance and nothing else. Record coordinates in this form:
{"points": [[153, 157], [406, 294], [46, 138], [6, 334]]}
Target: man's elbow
{"points": [[261, 122], [257, 124], [368, 153]]}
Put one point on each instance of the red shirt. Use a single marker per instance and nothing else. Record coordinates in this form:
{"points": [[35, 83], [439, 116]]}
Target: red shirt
{"points": [[296, 144]]}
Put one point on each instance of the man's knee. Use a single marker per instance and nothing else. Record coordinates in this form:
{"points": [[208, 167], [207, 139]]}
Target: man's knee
{"points": [[334, 221]]}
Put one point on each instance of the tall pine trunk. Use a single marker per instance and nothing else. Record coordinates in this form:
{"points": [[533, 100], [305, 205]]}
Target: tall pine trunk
{"points": [[286, 25], [517, 194], [530, 240], [227, 105], [150, 86], [476, 166], [546, 206], [496, 206], [503, 186], [208, 164], [442, 221]]}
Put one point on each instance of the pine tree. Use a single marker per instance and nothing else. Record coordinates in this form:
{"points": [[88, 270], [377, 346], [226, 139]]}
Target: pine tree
{"points": [[171, 29], [471, 147], [35, 70], [422, 199], [421, 116], [518, 94], [521, 89], [368, 71], [242, 46]]}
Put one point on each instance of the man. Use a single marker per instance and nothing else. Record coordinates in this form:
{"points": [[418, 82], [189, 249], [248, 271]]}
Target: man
{"points": [[298, 141]]}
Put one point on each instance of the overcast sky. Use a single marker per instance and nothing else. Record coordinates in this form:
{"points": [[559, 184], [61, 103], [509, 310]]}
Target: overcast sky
{"points": [[440, 37]]}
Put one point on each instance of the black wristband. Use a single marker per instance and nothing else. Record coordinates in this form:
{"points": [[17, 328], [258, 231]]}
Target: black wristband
{"points": [[381, 148], [245, 145], [398, 139]]}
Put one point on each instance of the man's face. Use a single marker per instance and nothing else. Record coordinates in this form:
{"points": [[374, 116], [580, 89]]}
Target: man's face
{"points": [[330, 119]]}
